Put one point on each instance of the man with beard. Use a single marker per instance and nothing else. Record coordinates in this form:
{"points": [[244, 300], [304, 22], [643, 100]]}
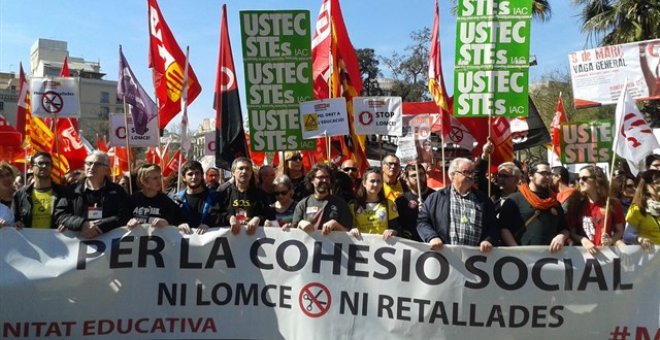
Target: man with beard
{"points": [[241, 203], [458, 214], [212, 178], [95, 205], [321, 210], [409, 204], [34, 204], [533, 216], [195, 201]]}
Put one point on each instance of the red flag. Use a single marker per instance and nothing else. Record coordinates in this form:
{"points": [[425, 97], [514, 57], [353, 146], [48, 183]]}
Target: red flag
{"points": [[436, 79], [173, 164], [101, 144], [230, 140], [65, 69], [152, 156], [167, 61], [336, 73], [69, 143], [555, 131], [9, 136], [118, 160]]}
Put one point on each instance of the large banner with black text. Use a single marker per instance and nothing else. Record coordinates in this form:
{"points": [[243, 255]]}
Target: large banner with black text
{"points": [[156, 283]]}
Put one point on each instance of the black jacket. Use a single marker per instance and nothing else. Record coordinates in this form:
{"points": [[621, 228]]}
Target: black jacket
{"points": [[71, 210], [22, 204], [434, 218]]}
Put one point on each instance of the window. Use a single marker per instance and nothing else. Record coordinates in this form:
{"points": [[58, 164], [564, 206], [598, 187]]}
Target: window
{"points": [[105, 97], [104, 113]]}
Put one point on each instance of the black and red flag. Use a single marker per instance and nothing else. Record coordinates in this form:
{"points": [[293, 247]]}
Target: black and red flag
{"points": [[229, 132]]}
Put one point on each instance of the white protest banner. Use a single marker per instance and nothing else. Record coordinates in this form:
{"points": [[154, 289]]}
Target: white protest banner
{"points": [[157, 283], [377, 116], [118, 132], [598, 74], [407, 144], [209, 143], [325, 117], [55, 96]]}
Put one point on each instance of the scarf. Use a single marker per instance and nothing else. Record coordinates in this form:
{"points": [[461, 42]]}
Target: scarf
{"points": [[535, 200], [653, 207]]}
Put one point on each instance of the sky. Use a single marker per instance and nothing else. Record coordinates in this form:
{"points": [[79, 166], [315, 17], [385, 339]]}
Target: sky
{"points": [[95, 29]]}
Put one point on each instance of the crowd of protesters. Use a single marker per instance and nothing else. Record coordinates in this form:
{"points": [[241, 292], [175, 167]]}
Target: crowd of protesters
{"points": [[530, 204]]}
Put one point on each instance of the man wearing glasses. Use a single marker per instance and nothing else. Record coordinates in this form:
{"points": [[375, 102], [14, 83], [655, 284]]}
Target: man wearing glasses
{"points": [[350, 168], [34, 203], [321, 210], [95, 205], [458, 214], [409, 204], [391, 166], [533, 216]]}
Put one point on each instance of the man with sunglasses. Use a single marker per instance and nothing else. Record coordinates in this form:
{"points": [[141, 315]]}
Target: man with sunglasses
{"points": [[96, 205], [350, 168], [533, 216], [458, 214], [34, 204]]}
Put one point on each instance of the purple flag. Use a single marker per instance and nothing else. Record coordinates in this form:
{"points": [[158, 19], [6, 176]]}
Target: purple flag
{"points": [[143, 109]]}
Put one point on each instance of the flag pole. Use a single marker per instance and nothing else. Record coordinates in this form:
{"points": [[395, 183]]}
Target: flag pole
{"points": [[128, 148], [184, 118], [490, 125], [442, 152]]}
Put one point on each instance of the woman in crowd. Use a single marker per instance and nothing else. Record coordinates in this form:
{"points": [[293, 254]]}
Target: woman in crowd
{"points": [[644, 213], [7, 174], [372, 212], [623, 188], [586, 212], [150, 205], [284, 203], [294, 168]]}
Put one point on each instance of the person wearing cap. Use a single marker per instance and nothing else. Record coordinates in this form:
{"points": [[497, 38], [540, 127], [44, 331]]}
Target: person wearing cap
{"points": [[34, 204], [96, 205]]}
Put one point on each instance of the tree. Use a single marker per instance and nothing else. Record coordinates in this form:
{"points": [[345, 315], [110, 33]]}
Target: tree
{"points": [[370, 72], [608, 22], [410, 70]]}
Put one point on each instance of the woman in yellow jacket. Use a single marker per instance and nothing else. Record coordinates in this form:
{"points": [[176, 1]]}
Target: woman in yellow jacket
{"points": [[644, 213], [372, 212]]}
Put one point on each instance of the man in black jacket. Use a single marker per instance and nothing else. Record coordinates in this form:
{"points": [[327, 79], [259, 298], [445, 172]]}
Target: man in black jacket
{"points": [[96, 205], [241, 203], [34, 204], [458, 214]]}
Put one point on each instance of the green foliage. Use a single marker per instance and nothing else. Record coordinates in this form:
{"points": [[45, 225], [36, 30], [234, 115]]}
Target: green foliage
{"points": [[409, 69]]}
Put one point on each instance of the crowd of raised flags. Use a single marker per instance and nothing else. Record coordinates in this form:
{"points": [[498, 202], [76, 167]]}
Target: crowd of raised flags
{"points": [[335, 74]]}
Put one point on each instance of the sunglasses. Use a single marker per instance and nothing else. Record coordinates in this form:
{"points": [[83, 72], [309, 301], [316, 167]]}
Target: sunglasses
{"points": [[349, 169], [280, 193], [585, 178], [296, 158]]}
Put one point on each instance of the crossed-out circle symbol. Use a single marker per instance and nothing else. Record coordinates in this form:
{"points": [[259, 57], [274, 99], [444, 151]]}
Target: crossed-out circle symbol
{"points": [[52, 102], [366, 117], [456, 134], [314, 300]]}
